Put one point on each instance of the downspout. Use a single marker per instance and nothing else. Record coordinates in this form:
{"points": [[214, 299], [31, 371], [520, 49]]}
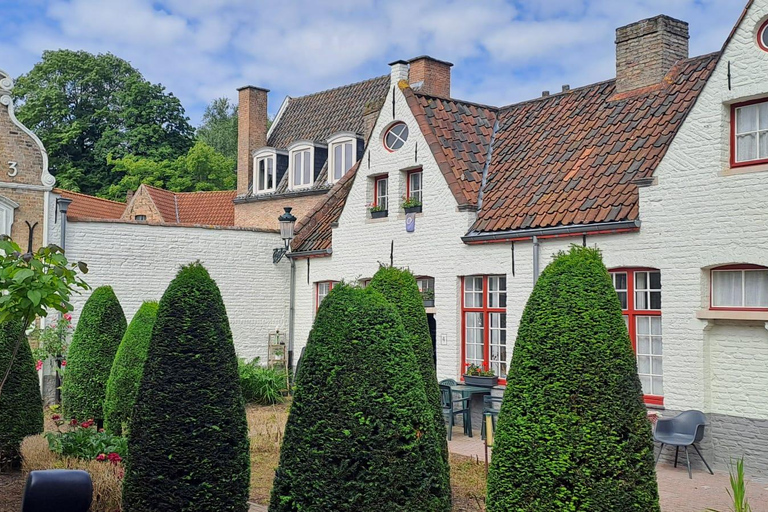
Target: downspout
{"points": [[291, 315], [535, 259], [62, 204]]}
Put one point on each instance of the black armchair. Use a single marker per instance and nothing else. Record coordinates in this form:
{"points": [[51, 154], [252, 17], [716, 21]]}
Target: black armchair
{"points": [[62, 490]]}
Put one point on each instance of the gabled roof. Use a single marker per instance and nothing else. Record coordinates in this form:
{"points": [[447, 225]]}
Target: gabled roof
{"points": [[574, 158], [313, 232], [165, 202], [213, 208], [89, 207], [459, 134], [318, 116]]}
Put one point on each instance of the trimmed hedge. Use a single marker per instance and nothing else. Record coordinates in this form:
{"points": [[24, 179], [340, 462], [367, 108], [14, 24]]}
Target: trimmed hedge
{"points": [[21, 407], [188, 436], [399, 287], [355, 437], [127, 368], [89, 360], [572, 432]]}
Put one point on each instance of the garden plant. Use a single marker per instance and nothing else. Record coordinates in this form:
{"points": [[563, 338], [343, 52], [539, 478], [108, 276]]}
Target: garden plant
{"points": [[261, 385], [357, 436], [572, 433], [127, 368], [188, 435], [399, 288], [97, 336]]}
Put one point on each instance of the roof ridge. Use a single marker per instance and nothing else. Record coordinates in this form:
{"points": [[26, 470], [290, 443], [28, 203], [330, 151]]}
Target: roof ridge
{"points": [[338, 87], [59, 190], [205, 192]]}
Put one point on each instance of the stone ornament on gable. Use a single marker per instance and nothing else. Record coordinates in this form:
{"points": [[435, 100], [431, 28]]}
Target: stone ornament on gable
{"points": [[6, 85]]}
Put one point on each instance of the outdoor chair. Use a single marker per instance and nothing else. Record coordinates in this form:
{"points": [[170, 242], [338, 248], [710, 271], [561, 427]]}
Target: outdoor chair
{"points": [[62, 490], [686, 429], [450, 410], [491, 407]]}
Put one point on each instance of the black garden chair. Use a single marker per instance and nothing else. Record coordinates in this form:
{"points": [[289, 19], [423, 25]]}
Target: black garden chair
{"points": [[686, 429], [59, 490]]}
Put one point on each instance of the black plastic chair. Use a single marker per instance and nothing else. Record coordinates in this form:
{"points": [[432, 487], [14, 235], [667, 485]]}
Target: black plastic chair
{"points": [[686, 429], [450, 411], [491, 407], [59, 490]]}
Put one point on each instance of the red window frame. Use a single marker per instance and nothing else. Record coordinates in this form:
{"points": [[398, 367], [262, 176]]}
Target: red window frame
{"points": [[743, 266], [747, 163], [317, 291], [485, 310], [376, 181], [632, 315], [408, 183], [760, 32]]}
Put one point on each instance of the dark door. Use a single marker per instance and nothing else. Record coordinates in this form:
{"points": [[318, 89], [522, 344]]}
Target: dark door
{"points": [[433, 334]]}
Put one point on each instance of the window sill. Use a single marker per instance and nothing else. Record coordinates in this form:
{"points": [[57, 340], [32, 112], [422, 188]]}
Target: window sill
{"points": [[728, 314], [745, 169]]}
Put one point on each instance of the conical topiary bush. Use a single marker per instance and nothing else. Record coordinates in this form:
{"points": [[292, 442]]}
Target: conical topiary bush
{"points": [[355, 434], [127, 368], [400, 289], [188, 435], [99, 330], [572, 432], [21, 407]]}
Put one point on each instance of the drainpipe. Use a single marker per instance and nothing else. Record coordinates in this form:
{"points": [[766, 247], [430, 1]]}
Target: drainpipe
{"points": [[291, 315], [535, 259], [63, 205]]}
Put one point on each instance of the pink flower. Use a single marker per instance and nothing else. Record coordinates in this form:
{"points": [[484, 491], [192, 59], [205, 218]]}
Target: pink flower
{"points": [[64, 363], [39, 365], [67, 317], [101, 457]]}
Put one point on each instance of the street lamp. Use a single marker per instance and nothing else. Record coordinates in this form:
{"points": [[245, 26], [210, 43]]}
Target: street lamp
{"points": [[287, 222]]}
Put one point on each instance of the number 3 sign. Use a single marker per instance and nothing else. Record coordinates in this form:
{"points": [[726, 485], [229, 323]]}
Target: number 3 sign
{"points": [[12, 171]]}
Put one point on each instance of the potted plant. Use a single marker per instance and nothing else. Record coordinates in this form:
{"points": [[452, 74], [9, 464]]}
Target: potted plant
{"points": [[411, 205], [476, 376], [377, 211], [428, 296]]}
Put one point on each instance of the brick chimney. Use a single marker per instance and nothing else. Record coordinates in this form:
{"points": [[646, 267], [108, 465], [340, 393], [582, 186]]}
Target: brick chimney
{"points": [[647, 50], [430, 76], [251, 131]]}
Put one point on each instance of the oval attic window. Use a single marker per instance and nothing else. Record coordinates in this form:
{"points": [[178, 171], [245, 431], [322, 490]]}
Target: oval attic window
{"points": [[762, 36], [396, 136]]}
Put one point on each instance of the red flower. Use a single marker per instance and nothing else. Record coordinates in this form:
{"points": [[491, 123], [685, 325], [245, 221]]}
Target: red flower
{"points": [[67, 317], [39, 365], [114, 458], [101, 457], [73, 422], [55, 417], [64, 363], [85, 424]]}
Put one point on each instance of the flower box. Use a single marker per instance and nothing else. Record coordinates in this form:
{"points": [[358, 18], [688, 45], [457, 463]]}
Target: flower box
{"points": [[379, 214], [413, 209], [475, 380], [429, 303]]}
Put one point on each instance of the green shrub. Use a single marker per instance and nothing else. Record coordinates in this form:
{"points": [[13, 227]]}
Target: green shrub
{"points": [[21, 407], [188, 435], [261, 385], [85, 441], [127, 368], [355, 437], [399, 287], [572, 433], [98, 333]]}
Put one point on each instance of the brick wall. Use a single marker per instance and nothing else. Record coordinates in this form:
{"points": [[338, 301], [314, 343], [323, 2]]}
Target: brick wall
{"points": [[142, 204], [430, 76], [251, 131], [264, 214]]}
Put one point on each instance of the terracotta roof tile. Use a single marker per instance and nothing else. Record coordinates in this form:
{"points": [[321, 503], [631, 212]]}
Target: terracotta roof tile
{"points": [[207, 208], [165, 201], [90, 207]]}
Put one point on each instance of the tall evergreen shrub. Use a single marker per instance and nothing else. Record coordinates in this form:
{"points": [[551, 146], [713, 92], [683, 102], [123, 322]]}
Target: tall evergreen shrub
{"points": [[572, 432], [94, 344], [127, 368], [188, 435], [21, 407], [399, 287], [355, 437]]}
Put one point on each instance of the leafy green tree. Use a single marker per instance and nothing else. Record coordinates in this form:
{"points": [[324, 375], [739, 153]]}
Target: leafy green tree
{"points": [[21, 408], [188, 435], [356, 433], [33, 284], [127, 368], [572, 432], [99, 330], [85, 107], [399, 287], [202, 168], [219, 127]]}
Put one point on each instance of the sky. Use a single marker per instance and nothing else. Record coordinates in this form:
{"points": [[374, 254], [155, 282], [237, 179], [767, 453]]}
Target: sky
{"points": [[503, 51]]}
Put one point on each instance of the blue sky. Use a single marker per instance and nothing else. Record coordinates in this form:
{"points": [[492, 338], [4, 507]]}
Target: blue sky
{"points": [[503, 51]]}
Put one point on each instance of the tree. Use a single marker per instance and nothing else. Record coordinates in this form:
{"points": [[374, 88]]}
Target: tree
{"points": [[127, 368], [572, 432], [355, 437], [202, 168], [33, 284], [85, 107], [399, 287], [94, 344], [21, 408], [188, 435], [219, 127]]}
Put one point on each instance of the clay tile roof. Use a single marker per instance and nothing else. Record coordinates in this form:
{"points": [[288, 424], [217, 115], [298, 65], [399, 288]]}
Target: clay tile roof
{"points": [[318, 116], [165, 202], [313, 232], [572, 158], [459, 135], [207, 208], [90, 207]]}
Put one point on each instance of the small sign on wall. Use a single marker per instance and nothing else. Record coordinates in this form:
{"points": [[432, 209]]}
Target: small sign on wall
{"points": [[410, 222]]}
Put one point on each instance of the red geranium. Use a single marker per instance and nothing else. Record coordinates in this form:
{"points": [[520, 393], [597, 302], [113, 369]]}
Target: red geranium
{"points": [[101, 457], [114, 458]]}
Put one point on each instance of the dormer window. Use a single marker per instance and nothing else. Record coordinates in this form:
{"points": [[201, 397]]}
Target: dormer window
{"points": [[301, 165], [265, 174], [342, 155]]}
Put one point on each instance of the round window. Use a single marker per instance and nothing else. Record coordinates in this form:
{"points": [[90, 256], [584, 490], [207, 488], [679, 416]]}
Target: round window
{"points": [[396, 136], [762, 36]]}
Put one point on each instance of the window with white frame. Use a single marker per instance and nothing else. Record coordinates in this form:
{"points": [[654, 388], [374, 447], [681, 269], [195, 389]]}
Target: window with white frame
{"points": [[381, 192], [750, 133], [265, 174], [342, 158], [739, 287], [301, 168], [484, 320], [414, 185], [323, 289], [7, 208]]}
